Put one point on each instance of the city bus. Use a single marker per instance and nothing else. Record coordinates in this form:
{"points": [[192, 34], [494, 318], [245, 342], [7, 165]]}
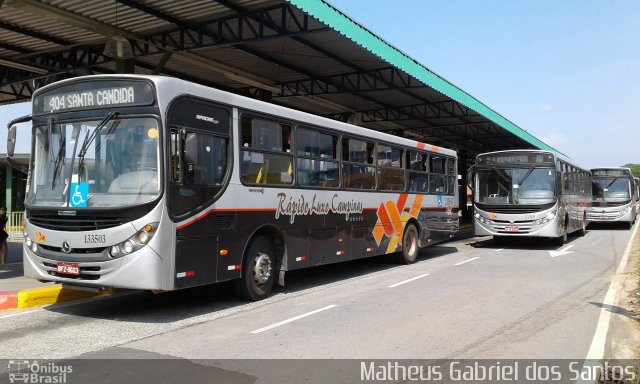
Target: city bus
{"points": [[533, 193], [156, 183], [615, 195], [637, 182]]}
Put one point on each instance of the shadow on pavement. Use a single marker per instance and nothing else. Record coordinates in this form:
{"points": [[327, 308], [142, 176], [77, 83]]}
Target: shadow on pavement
{"points": [[146, 307]]}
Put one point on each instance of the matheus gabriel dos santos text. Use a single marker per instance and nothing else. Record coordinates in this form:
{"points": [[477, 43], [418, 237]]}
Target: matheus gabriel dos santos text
{"points": [[492, 371]]}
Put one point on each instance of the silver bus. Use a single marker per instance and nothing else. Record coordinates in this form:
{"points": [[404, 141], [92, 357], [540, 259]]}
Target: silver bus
{"points": [[156, 183], [529, 193], [615, 195]]}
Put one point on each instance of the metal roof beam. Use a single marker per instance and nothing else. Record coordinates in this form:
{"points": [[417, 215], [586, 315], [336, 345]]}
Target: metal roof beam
{"points": [[427, 111], [301, 71], [246, 27], [34, 34], [331, 55], [152, 11], [378, 80], [70, 18], [15, 48], [371, 80], [46, 10], [232, 6]]}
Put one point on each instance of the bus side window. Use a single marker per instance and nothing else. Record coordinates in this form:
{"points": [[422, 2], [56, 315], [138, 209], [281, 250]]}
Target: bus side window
{"points": [[437, 176], [205, 158], [266, 152]]}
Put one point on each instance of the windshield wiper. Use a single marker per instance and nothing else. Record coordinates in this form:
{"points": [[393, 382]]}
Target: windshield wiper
{"points": [[88, 139], [611, 183], [56, 166], [50, 137], [527, 175]]}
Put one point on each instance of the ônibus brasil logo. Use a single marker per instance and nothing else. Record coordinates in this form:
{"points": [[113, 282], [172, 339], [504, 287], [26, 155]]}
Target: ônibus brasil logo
{"points": [[25, 371]]}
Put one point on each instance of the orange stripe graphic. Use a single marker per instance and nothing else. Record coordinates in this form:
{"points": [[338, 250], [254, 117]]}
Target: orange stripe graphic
{"points": [[402, 200]]}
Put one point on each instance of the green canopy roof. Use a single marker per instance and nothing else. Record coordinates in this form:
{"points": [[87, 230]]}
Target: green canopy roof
{"points": [[332, 17]]}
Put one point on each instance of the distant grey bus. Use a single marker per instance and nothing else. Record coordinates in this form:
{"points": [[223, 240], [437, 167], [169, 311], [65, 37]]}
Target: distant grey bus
{"points": [[529, 193], [615, 195]]}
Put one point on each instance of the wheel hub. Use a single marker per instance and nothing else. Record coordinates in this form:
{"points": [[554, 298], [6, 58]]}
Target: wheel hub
{"points": [[410, 244], [262, 269]]}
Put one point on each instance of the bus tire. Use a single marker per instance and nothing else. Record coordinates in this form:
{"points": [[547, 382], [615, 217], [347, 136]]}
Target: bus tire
{"points": [[560, 240], [258, 270], [583, 229], [410, 245]]}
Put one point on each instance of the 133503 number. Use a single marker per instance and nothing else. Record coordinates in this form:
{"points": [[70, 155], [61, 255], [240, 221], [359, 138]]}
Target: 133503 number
{"points": [[95, 239]]}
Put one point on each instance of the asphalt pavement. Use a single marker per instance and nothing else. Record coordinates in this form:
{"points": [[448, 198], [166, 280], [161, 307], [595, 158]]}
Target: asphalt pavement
{"points": [[466, 299]]}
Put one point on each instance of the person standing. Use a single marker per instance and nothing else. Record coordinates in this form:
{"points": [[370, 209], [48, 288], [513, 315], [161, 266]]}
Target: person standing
{"points": [[3, 235]]}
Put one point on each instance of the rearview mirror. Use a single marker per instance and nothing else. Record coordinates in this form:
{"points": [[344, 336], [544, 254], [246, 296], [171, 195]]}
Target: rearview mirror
{"points": [[470, 173], [11, 140], [11, 135]]}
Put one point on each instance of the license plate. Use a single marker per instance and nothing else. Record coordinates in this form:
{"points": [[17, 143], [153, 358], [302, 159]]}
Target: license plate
{"points": [[512, 229], [603, 218], [68, 269]]}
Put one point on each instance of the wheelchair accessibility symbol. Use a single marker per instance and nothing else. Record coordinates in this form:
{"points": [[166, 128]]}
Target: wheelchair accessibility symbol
{"points": [[79, 195]]}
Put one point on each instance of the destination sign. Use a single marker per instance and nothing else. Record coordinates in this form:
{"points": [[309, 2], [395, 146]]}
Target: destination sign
{"points": [[91, 95], [517, 158], [611, 172]]}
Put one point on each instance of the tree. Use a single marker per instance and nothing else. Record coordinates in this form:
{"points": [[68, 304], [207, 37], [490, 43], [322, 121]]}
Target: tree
{"points": [[635, 169]]}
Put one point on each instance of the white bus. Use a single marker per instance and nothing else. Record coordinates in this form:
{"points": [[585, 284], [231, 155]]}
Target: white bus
{"points": [[156, 183], [529, 193], [615, 195]]}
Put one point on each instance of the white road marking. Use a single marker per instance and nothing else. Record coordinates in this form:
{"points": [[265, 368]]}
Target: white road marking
{"points": [[466, 261], [20, 313], [563, 251], [408, 281], [501, 249], [283, 322], [596, 350]]}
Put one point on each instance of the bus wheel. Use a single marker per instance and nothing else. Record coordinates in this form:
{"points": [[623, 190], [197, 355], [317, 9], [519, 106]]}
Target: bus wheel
{"points": [[258, 271], [410, 247], [560, 240], [583, 230]]}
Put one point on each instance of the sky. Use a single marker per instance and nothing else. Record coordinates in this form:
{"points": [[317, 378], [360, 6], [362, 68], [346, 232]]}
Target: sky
{"points": [[566, 71]]}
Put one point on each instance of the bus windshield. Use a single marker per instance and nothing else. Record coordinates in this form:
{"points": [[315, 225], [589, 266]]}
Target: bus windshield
{"points": [[515, 186], [611, 188], [103, 162]]}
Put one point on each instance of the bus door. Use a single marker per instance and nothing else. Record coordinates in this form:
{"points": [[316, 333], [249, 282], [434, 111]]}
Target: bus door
{"points": [[198, 167]]}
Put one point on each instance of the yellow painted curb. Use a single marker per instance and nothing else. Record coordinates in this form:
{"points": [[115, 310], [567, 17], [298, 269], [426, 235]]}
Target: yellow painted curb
{"points": [[35, 297]]}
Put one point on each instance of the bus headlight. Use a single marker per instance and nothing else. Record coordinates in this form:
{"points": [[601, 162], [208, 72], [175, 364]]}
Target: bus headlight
{"points": [[28, 241], [550, 216], [135, 242]]}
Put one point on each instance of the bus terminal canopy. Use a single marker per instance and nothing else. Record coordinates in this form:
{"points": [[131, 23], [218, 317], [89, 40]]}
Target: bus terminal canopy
{"points": [[302, 54]]}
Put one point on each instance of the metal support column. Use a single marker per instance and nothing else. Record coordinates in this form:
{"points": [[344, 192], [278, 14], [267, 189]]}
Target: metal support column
{"points": [[8, 188], [463, 166]]}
